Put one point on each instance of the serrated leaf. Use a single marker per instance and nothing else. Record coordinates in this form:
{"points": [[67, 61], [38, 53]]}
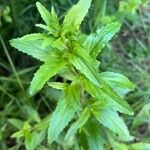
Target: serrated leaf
{"points": [[75, 16], [44, 73], [33, 48], [94, 138], [64, 112], [121, 84], [104, 94], [83, 118], [110, 119], [46, 16], [140, 146], [96, 42], [99, 89], [83, 62]]}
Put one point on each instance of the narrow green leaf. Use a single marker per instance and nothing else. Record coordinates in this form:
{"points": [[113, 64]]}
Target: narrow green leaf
{"points": [[96, 42], [58, 85], [44, 73], [64, 112], [46, 16], [110, 119], [118, 82], [75, 16], [83, 118]]}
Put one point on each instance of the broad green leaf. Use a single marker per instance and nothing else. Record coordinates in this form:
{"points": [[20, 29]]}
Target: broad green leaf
{"points": [[83, 62], [33, 48], [64, 112], [75, 16], [94, 136], [140, 146], [110, 119], [96, 42], [118, 82], [83, 118], [45, 14], [143, 116], [44, 73]]}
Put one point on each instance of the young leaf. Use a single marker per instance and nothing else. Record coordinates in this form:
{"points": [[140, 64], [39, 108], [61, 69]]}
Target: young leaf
{"points": [[83, 118], [96, 42], [58, 85], [50, 19], [75, 16], [118, 82], [45, 72], [110, 119], [46, 16], [64, 112]]}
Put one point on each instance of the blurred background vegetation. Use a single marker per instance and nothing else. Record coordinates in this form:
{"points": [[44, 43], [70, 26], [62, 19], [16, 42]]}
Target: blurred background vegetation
{"points": [[128, 53]]}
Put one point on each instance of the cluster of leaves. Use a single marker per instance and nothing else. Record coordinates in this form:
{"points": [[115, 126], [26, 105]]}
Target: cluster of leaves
{"points": [[90, 99]]}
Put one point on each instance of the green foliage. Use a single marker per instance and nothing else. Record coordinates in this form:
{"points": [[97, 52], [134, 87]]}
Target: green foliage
{"points": [[90, 99]]}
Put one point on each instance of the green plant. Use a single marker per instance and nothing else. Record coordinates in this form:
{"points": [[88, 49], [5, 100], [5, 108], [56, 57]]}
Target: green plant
{"points": [[90, 99]]}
